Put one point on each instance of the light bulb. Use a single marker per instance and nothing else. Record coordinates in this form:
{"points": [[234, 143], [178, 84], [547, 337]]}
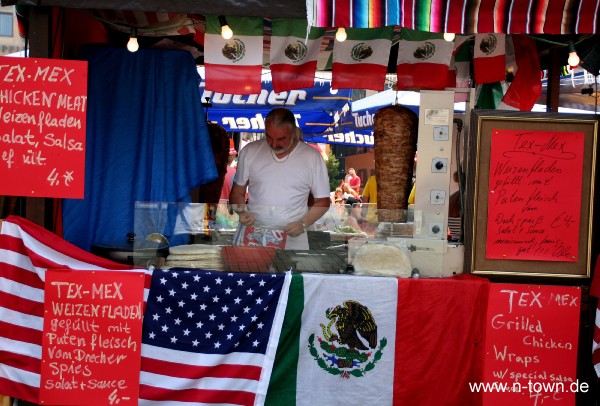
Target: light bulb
{"points": [[573, 59], [226, 32], [449, 36], [132, 45], [341, 35]]}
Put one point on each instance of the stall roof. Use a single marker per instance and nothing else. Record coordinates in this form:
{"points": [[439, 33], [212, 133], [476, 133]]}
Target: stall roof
{"points": [[256, 8], [554, 27], [458, 16]]}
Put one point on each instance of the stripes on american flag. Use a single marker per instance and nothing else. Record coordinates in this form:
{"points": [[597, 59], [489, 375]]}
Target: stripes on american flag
{"points": [[26, 252], [228, 362], [210, 338]]}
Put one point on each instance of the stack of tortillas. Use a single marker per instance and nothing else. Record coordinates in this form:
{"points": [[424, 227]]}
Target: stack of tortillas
{"points": [[195, 256], [381, 260]]}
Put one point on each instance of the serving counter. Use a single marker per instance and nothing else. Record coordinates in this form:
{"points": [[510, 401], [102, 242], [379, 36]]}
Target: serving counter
{"points": [[383, 340], [333, 241]]}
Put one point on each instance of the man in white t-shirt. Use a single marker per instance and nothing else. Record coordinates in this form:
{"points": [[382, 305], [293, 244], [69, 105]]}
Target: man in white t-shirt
{"points": [[279, 173]]}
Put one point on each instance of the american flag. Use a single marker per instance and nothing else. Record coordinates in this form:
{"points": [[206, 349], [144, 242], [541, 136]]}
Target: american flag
{"points": [[210, 337], [175, 366], [26, 252]]}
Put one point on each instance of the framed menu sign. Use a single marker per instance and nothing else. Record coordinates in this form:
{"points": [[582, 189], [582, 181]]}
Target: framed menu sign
{"points": [[91, 340], [530, 194], [43, 105]]}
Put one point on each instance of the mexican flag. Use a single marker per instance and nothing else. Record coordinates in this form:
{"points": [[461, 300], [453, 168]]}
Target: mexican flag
{"points": [[395, 339], [361, 60], [526, 86], [294, 54], [459, 74], [489, 58], [423, 60], [234, 66]]}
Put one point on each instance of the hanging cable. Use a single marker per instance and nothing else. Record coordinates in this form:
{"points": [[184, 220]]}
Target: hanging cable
{"points": [[461, 176], [596, 98]]}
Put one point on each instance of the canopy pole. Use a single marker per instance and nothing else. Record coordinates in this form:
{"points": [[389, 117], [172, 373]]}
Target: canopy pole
{"points": [[553, 87]]}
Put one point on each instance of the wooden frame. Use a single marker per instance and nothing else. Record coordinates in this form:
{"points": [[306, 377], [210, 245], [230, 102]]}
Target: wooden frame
{"points": [[520, 143]]}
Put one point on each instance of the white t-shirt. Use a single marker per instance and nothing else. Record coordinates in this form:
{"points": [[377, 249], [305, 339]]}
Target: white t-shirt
{"points": [[278, 189]]}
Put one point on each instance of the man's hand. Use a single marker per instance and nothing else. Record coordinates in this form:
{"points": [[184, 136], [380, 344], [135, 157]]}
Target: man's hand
{"points": [[295, 228], [246, 218]]}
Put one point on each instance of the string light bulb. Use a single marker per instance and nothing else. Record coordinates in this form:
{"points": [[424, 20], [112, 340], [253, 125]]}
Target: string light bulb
{"points": [[341, 35], [133, 45], [226, 31], [449, 36], [573, 57]]}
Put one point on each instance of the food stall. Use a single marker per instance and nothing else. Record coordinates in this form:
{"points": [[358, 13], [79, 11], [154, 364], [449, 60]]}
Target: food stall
{"points": [[381, 315]]}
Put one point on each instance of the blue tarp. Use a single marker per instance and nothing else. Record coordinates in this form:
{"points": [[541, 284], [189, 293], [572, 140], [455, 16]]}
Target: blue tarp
{"points": [[147, 140]]}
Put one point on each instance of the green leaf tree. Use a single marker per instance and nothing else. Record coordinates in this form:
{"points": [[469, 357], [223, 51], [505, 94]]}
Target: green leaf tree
{"points": [[333, 170]]}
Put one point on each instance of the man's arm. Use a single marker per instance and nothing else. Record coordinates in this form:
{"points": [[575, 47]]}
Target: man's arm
{"points": [[237, 199], [318, 209], [237, 196], [315, 212]]}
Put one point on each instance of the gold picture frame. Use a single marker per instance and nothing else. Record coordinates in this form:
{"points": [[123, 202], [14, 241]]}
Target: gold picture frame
{"points": [[526, 235]]}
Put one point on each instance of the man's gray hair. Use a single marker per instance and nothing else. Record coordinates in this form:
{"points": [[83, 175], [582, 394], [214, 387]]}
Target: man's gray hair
{"points": [[279, 116]]}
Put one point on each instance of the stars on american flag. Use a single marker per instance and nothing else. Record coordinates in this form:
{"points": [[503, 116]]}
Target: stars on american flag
{"points": [[203, 311]]}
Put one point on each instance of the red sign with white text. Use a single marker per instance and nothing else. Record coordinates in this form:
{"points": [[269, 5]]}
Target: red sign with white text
{"points": [[534, 196], [91, 343], [531, 345], [43, 104]]}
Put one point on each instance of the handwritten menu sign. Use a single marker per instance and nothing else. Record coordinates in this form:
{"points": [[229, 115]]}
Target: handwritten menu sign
{"points": [[531, 345], [534, 195], [92, 337], [43, 104]]}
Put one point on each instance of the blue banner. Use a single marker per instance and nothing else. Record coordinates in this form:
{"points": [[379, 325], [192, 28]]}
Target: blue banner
{"points": [[353, 129], [315, 108]]}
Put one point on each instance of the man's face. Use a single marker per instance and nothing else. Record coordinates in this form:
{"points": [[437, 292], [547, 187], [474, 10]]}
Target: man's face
{"points": [[280, 139]]}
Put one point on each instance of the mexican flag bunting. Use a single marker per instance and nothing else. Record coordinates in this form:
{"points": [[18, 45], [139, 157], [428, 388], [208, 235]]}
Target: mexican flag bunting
{"points": [[459, 74], [234, 66], [361, 60], [423, 60], [489, 58], [394, 345], [294, 54], [526, 85]]}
